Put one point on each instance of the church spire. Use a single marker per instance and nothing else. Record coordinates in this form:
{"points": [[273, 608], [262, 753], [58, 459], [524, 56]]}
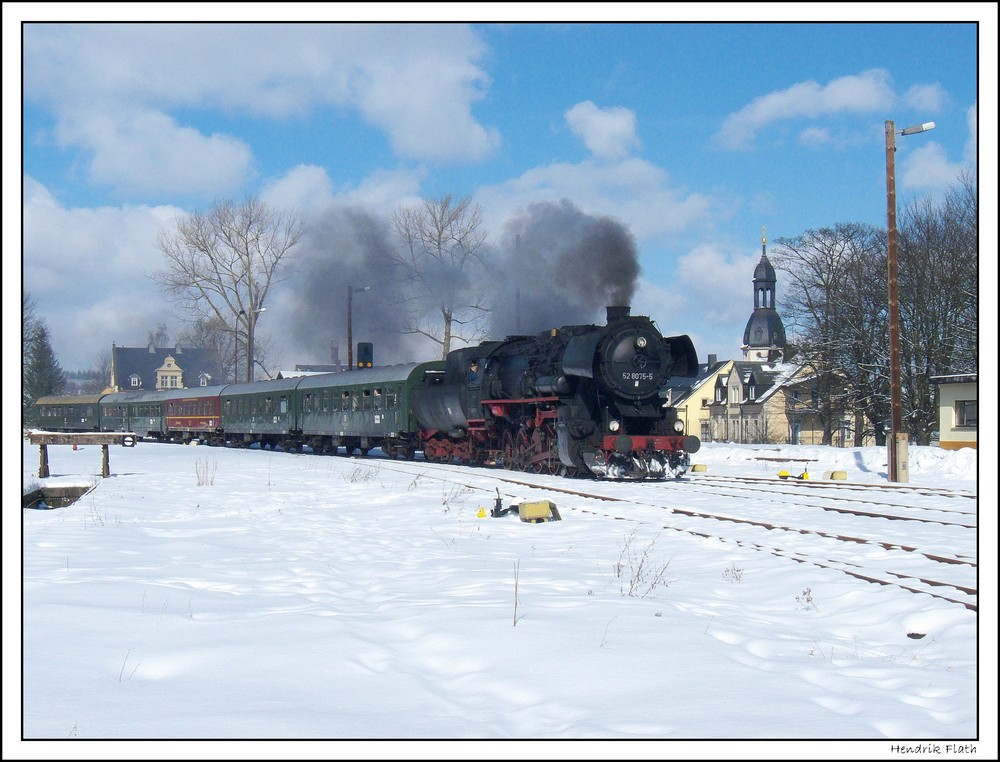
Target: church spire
{"points": [[764, 337]]}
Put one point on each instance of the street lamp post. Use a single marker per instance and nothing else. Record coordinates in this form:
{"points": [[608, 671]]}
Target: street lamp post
{"points": [[350, 337], [898, 447], [251, 321], [236, 348]]}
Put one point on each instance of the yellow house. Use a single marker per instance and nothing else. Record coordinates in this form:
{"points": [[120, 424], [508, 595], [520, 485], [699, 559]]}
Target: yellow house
{"points": [[958, 410], [168, 375], [759, 403], [692, 397]]}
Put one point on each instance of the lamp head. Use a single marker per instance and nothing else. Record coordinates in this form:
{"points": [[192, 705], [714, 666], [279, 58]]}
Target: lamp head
{"points": [[918, 128]]}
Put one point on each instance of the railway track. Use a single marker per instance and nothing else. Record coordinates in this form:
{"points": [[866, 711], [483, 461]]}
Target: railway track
{"points": [[775, 518]]}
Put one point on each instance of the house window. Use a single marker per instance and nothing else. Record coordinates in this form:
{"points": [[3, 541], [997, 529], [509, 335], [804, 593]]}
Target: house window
{"points": [[967, 413], [751, 392], [135, 381]]}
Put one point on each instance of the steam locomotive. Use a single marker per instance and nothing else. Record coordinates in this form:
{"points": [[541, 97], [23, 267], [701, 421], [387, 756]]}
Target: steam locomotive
{"points": [[576, 400], [581, 399]]}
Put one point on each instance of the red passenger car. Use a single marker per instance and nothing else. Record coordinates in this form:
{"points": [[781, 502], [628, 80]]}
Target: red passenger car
{"points": [[194, 414]]}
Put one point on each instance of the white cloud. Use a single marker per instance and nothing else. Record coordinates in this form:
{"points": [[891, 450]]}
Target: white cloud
{"points": [[418, 89], [633, 191], [147, 152], [70, 255], [303, 188], [308, 188], [608, 133], [815, 137], [865, 92], [971, 152], [719, 283], [926, 98], [927, 168]]}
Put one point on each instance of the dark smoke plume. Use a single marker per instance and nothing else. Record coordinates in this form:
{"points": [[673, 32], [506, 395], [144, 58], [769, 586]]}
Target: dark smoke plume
{"points": [[340, 248], [562, 267]]}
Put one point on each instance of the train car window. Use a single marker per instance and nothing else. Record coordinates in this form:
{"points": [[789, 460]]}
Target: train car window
{"points": [[377, 393], [283, 405], [345, 401], [390, 399], [355, 401], [366, 399]]}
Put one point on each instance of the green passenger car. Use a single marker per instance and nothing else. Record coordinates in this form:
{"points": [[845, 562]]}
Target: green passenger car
{"points": [[262, 412], [63, 413], [364, 409], [140, 412]]}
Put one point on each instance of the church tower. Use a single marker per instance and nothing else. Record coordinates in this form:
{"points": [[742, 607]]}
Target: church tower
{"points": [[764, 336]]}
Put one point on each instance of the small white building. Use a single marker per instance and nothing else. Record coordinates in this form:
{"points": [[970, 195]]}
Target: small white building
{"points": [[958, 410]]}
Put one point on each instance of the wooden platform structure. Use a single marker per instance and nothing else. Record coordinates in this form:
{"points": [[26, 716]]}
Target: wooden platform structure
{"points": [[104, 438]]}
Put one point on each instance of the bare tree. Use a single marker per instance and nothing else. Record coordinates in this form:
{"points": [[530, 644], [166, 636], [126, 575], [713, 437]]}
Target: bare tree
{"points": [[838, 308], [99, 374], [828, 276], [29, 314], [443, 261], [222, 263], [939, 284], [159, 337], [218, 340]]}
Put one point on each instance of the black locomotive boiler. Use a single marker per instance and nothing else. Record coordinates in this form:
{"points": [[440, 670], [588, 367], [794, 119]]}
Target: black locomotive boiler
{"points": [[581, 399]]}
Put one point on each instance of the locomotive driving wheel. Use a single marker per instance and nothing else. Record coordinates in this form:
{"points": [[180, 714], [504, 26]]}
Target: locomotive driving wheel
{"points": [[507, 450], [522, 448], [538, 452], [555, 466]]}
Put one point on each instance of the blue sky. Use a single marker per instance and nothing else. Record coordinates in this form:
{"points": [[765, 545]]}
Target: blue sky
{"points": [[693, 136]]}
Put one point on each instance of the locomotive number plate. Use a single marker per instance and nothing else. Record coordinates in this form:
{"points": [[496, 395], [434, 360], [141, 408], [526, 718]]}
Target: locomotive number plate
{"points": [[636, 376]]}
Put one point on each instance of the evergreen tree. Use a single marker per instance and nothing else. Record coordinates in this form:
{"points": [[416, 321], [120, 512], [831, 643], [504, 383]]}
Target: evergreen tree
{"points": [[42, 373]]}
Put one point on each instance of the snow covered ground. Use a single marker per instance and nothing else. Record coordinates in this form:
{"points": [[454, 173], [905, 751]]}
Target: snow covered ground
{"points": [[375, 608]]}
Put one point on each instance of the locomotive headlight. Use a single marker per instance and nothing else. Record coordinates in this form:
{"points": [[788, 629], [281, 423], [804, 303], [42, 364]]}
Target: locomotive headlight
{"points": [[641, 342], [614, 425], [679, 426]]}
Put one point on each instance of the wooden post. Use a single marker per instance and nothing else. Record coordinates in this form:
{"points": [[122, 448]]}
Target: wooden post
{"points": [[104, 439], [43, 461]]}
